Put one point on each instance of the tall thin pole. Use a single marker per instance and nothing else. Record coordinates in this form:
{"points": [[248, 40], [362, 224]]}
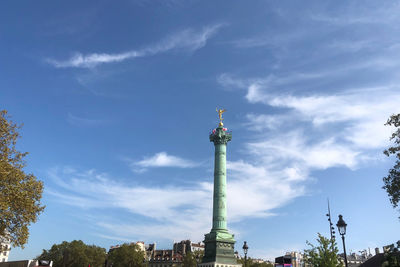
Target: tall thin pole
{"points": [[330, 222], [344, 250]]}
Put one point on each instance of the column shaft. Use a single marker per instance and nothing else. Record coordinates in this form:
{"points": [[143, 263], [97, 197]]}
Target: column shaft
{"points": [[219, 199]]}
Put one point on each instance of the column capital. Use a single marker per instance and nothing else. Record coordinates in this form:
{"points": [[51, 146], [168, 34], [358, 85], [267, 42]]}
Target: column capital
{"points": [[220, 136]]}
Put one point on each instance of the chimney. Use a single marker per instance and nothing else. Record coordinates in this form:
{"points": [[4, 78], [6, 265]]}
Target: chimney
{"points": [[376, 251]]}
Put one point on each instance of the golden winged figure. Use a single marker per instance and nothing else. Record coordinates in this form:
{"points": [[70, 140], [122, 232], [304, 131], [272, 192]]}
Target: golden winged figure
{"points": [[220, 111]]}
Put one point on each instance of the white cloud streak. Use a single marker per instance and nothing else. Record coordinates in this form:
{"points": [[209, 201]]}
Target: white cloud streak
{"points": [[188, 40], [81, 121], [161, 159], [263, 189], [318, 131]]}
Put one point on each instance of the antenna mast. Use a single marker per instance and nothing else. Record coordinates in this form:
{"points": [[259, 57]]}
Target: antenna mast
{"points": [[331, 228]]}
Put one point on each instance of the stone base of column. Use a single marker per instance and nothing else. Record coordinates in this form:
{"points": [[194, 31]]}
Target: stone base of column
{"points": [[219, 250]]}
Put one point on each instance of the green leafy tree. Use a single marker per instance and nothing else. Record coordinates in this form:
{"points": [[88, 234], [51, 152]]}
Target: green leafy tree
{"points": [[392, 181], [189, 260], [260, 264], [20, 193], [323, 255], [74, 254], [252, 263], [392, 255], [198, 254], [127, 255]]}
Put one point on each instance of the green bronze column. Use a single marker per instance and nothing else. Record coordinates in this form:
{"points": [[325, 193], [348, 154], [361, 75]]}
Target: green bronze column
{"points": [[220, 138], [219, 243]]}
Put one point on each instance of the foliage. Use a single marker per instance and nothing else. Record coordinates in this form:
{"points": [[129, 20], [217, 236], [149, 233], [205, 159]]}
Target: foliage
{"points": [[189, 260], [323, 255], [127, 255], [392, 255], [20, 193], [73, 254], [252, 263], [199, 254], [392, 181]]}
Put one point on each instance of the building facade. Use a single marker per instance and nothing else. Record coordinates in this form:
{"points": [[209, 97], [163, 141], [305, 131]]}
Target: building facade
{"points": [[166, 258], [5, 248], [294, 258], [186, 246]]}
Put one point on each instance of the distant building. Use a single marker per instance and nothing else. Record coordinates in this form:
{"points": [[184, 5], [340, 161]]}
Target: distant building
{"points": [[150, 249], [27, 263], [283, 260], [141, 246], [166, 258], [187, 246], [354, 259], [269, 262], [378, 259], [294, 258], [197, 247], [5, 248], [375, 261], [182, 247], [258, 260]]}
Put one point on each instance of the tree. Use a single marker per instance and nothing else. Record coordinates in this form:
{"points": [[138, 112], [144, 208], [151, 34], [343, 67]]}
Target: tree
{"points": [[323, 255], [252, 263], [392, 181], [75, 253], [20, 193], [198, 255], [392, 255], [261, 264], [127, 255], [189, 260]]}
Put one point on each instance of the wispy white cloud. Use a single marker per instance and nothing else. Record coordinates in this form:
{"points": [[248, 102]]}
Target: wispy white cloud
{"points": [[317, 130], [261, 122], [264, 189], [81, 121], [368, 14], [161, 159], [228, 80], [87, 61], [362, 113], [188, 40], [268, 40], [294, 149]]}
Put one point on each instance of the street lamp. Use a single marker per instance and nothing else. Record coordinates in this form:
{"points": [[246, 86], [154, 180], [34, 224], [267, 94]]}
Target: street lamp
{"points": [[341, 225], [245, 249]]}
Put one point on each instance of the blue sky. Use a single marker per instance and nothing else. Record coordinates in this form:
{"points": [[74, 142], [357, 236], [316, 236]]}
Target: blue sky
{"points": [[117, 99]]}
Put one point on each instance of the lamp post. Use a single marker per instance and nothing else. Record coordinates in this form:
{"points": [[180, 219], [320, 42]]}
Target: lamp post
{"points": [[245, 249], [341, 225]]}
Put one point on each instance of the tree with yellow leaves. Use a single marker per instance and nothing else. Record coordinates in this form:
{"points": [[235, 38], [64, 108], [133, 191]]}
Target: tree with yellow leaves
{"points": [[20, 193]]}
